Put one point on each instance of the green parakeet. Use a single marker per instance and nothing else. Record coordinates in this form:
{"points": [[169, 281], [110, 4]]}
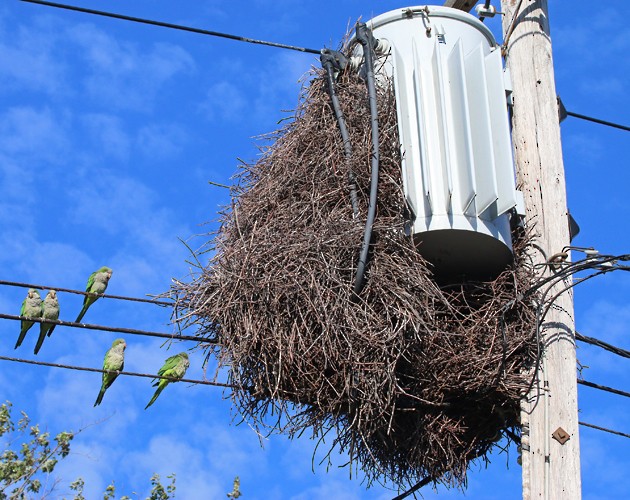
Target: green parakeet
{"points": [[115, 361], [31, 308], [97, 283], [50, 310], [174, 367]]}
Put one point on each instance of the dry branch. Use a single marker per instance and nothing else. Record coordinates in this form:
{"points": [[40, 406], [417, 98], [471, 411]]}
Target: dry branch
{"points": [[415, 380]]}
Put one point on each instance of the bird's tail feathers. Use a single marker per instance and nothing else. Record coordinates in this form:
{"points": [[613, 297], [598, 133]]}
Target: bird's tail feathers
{"points": [[21, 337], [40, 340], [51, 330], [155, 396], [99, 398], [81, 314]]}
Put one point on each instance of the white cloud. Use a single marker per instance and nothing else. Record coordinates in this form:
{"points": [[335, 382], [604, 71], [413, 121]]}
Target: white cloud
{"points": [[259, 92], [34, 134], [225, 100], [194, 480], [608, 321], [125, 207], [585, 150], [29, 60], [108, 133], [595, 86], [124, 75], [160, 141]]}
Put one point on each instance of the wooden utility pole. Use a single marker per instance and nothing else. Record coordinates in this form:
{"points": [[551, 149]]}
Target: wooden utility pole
{"points": [[550, 447], [466, 5], [550, 437]]}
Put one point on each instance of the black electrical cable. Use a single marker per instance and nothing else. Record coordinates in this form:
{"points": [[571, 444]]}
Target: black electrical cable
{"points": [[89, 326], [81, 292], [605, 388], [604, 345], [623, 434], [132, 374], [332, 60], [597, 120], [365, 38], [170, 25], [602, 264], [419, 485]]}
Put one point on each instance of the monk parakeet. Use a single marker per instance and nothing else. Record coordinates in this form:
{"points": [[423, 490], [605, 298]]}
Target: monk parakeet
{"points": [[236, 489], [115, 361], [50, 310], [97, 283], [31, 308], [174, 367]]}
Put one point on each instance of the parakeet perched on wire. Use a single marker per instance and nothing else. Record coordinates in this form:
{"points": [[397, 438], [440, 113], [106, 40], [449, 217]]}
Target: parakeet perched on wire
{"points": [[174, 367], [31, 308], [50, 310], [97, 283], [115, 361]]}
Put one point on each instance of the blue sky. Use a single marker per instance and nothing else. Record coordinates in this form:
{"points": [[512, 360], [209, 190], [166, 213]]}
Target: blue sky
{"points": [[109, 132]]}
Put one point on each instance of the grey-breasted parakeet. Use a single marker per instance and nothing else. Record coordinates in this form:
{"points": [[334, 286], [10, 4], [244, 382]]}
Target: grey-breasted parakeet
{"points": [[115, 361], [31, 308], [50, 310], [97, 283], [174, 367]]}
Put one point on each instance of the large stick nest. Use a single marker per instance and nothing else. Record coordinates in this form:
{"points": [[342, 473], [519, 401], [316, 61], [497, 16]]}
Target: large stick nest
{"points": [[414, 379]]}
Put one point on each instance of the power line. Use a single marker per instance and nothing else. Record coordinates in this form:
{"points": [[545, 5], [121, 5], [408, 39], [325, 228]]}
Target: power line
{"points": [[604, 388], [263, 42], [171, 26], [597, 120], [415, 488], [131, 331], [509, 31], [80, 292], [604, 345], [563, 113], [604, 429], [132, 374]]}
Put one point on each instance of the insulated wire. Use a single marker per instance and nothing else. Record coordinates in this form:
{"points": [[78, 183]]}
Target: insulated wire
{"points": [[604, 345], [509, 31], [597, 120], [343, 129], [604, 388], [170, 25], [545, 304], [271, 44], [79, 292], [88, 326], [623, 434], [132, 374], [419, 485], [364, 36]]}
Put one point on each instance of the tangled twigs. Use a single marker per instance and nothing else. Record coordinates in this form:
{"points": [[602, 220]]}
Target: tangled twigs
{"points": [[411, 380]]}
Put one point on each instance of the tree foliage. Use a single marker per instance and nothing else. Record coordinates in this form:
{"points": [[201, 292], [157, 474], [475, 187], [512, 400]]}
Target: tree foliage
{"points": [[24, 465], [29, 458]]}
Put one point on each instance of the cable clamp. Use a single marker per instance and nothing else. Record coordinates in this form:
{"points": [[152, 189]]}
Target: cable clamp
{"points": [[489, 11]]}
